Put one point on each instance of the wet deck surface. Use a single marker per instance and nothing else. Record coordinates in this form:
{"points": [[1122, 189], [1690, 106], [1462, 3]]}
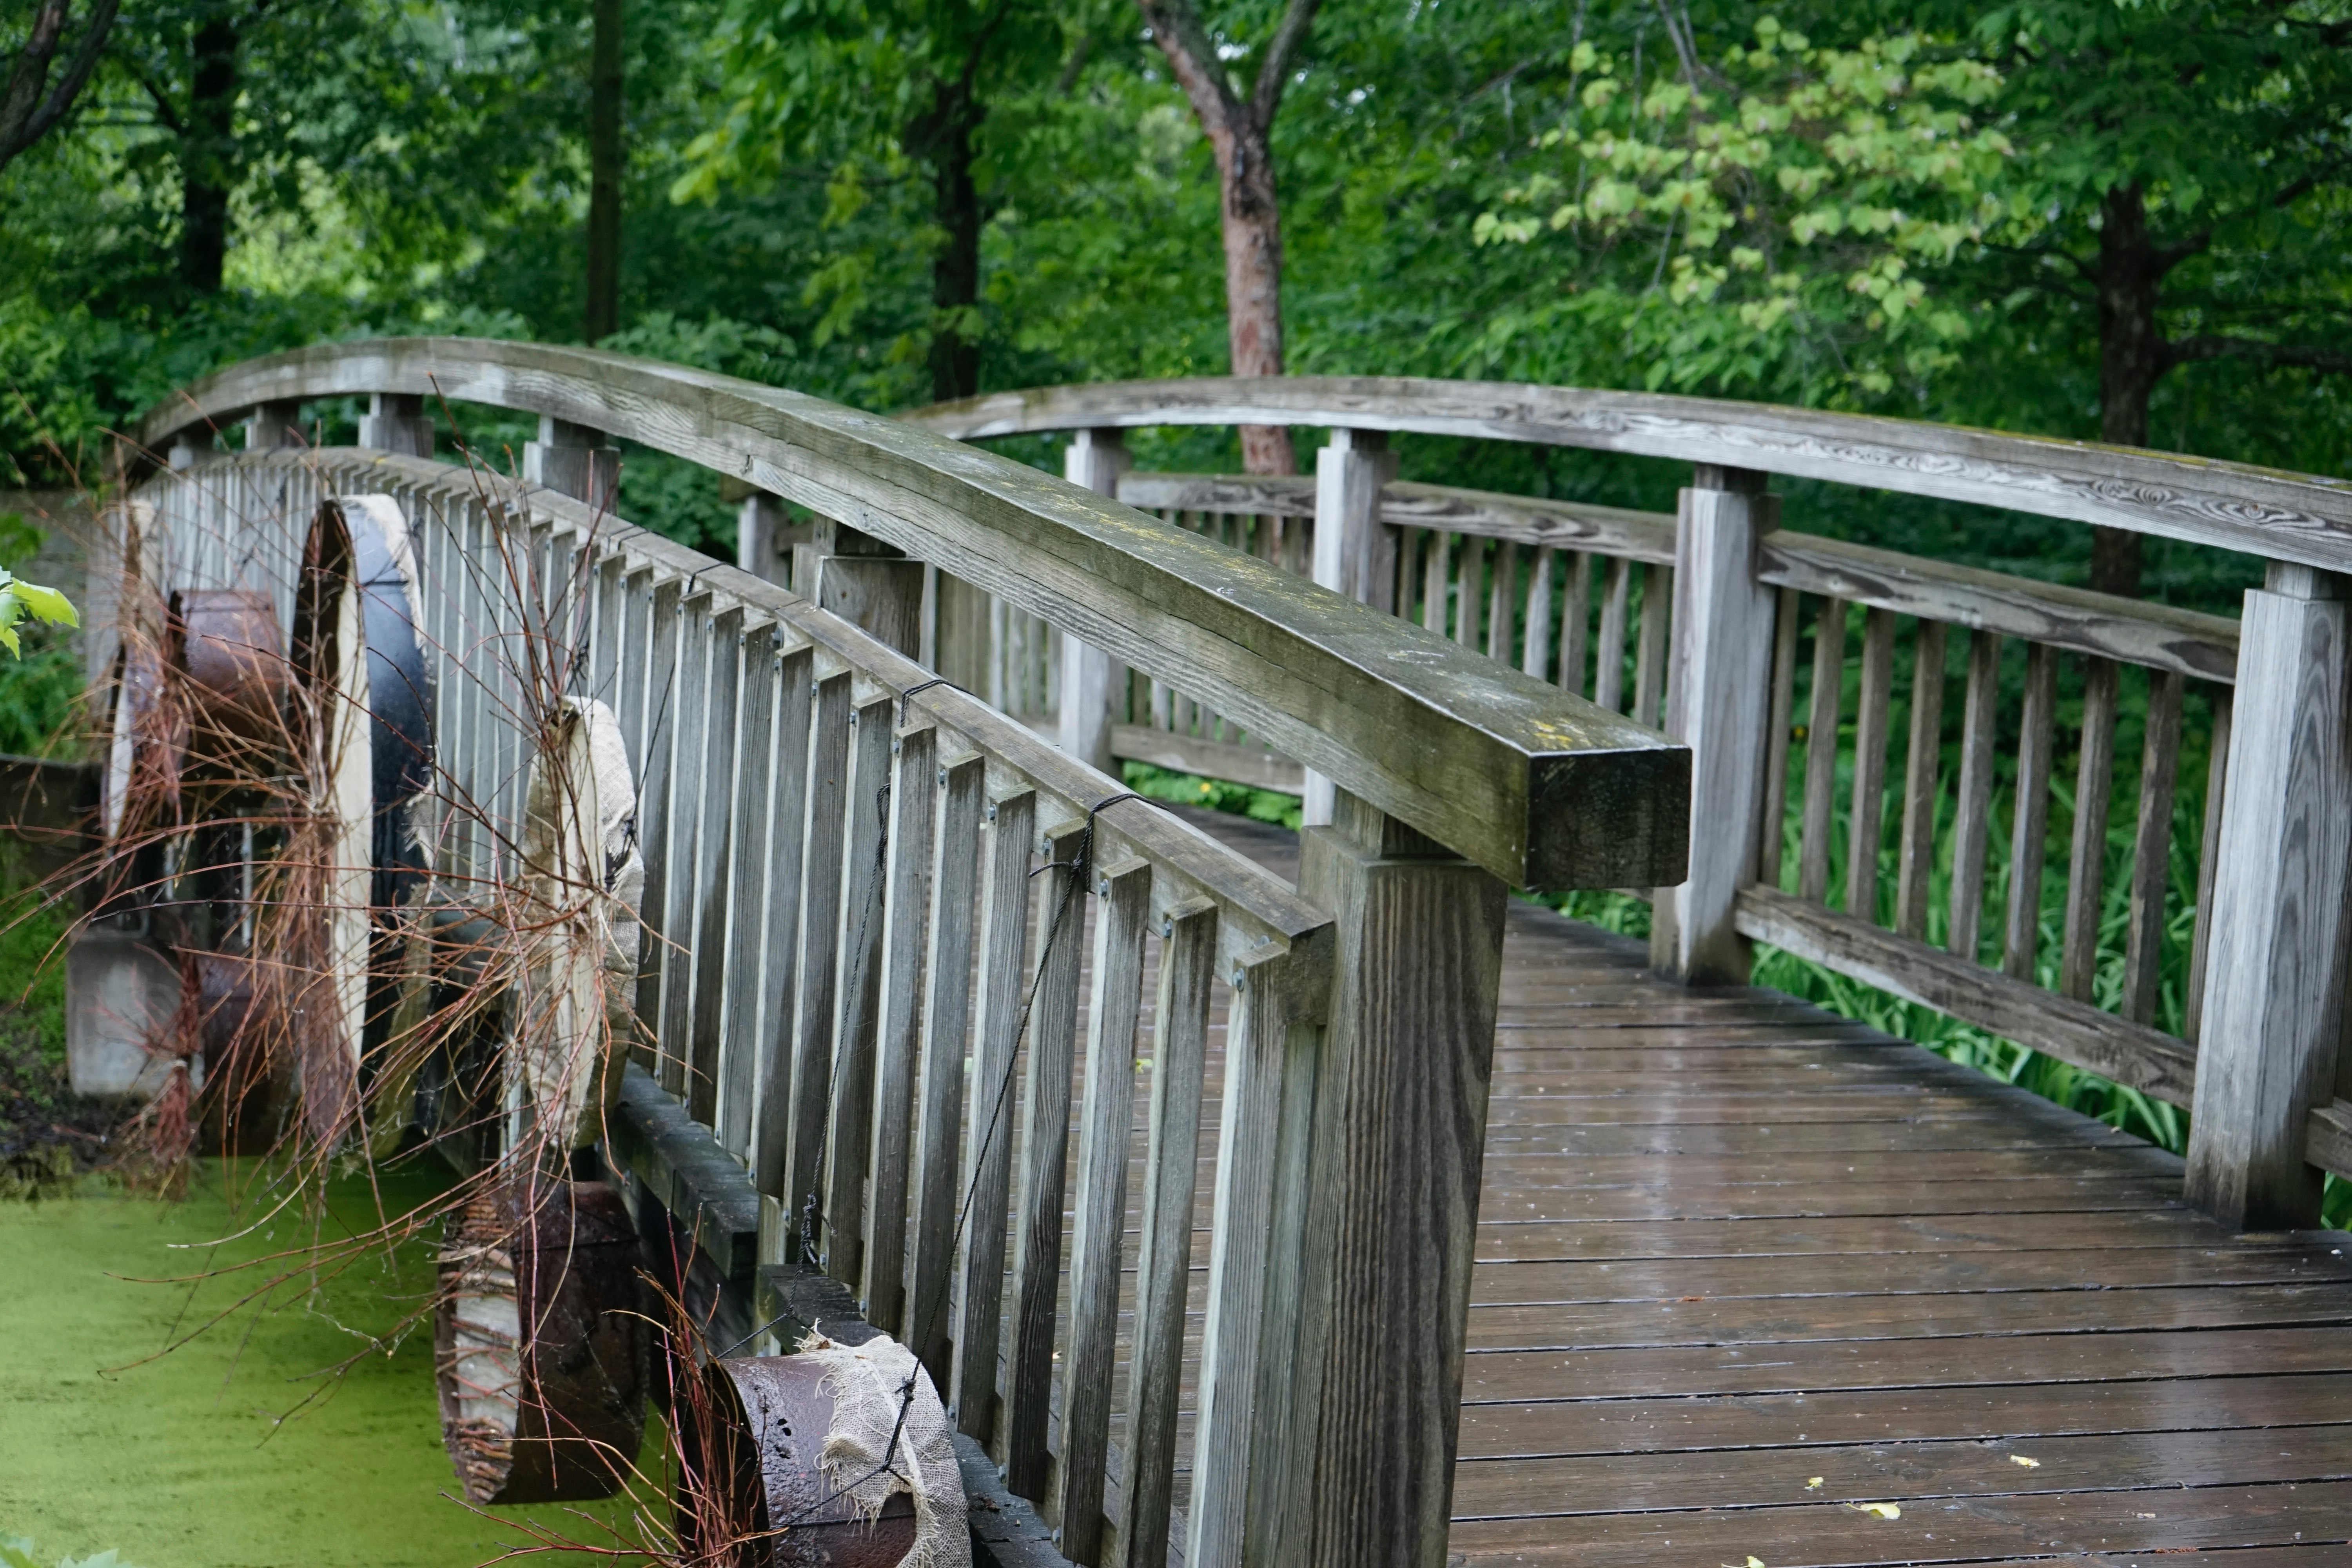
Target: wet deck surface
{"points": [[1751, 1279]]}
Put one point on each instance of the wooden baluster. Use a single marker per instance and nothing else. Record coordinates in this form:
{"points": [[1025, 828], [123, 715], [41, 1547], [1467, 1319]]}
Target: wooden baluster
{"points": [[1094, 460], [1502, 599], [1188, 972], [857, 990], [2159, 763], [1922, 779], [1719, 708], [608, 632], [1435, 576], [822, 857], [1771, 826], [397, 422], [1650, 654], [2275, 972], [1237, 1414], [2029, 817], [1821, 751], [2088, 865], [1469, 590], [1576, 623], [2209, 845], [568, 459], [1044, 1166], [1355, 552], [1106, 1121], [656, 772], [1972, 810], [689, 712], [1408, 573], [632, 698], [1870, 734], [1389, 1207], [772, 1125], [907, 929], [746, 909], [1004, 988], [1609, 651], [1535, 643], [947, 1016], [713, 859]]}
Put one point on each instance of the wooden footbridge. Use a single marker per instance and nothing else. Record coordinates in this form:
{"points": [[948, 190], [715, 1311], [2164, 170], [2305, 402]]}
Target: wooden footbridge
{"points": [[1273, 1198]]}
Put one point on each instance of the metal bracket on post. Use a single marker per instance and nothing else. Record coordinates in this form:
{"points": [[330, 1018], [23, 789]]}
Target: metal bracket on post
{"points": [[568, 459], [397, 422], [1715, 704], [1091, 680], [1355, 552], [2276, 969]]}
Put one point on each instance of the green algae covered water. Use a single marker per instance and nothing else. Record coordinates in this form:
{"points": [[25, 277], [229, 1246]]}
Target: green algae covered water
{"points": [[209, 1457]]}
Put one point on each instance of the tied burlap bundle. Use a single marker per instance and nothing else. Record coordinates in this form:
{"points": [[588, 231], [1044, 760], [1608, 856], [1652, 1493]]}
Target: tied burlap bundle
{"points": [[870, 1453]]}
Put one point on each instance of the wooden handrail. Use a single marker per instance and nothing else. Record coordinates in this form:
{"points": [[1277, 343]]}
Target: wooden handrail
{"points": [[2263, 511], [1543, 789]]}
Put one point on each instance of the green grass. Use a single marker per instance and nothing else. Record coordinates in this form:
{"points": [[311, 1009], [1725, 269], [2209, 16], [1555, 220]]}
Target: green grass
{"points": [[240, 1448]]}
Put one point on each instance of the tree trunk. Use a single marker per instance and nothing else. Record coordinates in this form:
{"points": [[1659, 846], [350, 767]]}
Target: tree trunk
{"points": [[955, 270], [2131, 357], [1252, 235], [606, 88], [208, 154]]}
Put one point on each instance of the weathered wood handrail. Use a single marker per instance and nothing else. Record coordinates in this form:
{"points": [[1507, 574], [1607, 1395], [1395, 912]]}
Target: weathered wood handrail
{"points": [[2261, 999], [1480, 764]]}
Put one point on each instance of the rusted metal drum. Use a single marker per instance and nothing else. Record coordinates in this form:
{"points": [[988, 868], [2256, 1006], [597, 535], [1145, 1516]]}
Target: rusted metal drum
{"points": [[539, 1344], [245, 1082], [754, 1448], [229, 655]]}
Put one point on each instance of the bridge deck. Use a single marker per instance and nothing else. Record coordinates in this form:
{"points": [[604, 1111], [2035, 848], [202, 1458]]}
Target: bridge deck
{"points": [[1744, 1265]]}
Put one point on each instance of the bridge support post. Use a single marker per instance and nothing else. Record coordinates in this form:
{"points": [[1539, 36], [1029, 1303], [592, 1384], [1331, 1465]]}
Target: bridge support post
{"points": [[275, 424], [1355, 552], [397, 422], [2276, 967], [867, 583], [1716, 706], [1390, 1200], [1091, 680], [569, 459], [765, 535]]}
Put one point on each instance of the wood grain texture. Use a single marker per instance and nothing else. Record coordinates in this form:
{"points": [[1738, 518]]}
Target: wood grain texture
{"points": [[1535, 784], [658, 774], [714, 858], [743, 935], [1105, 1119], [2073, 1031], [1771, 822], [1821, 751], [2029, 813], [795, 673], [1922, 767], [2086, 861], [940, 1083], [2276, 968], [1575, 622], [2217, 794], [1044, 1162], [1609, 651], [1536, 640], [2261, 511], [1164, 1250], [988, 1161], [1650, 656], [814, 1010], [2151, 861], [689, 720], [1973, 801], [907, 934], [1872, 724], [857, 992]]}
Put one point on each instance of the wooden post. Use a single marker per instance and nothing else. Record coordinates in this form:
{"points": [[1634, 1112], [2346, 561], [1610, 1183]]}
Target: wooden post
{"points": [[764, 537], [275, 424], [397, 422], [1090, 678], [1390, 1199], [1355, 552], [1716, 704], [569, 460], [867, 583], [2276, 968]]}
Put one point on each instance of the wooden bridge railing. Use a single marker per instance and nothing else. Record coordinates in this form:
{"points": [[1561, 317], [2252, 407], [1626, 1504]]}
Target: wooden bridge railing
{"points": [[1740, 633], [848, 936]]}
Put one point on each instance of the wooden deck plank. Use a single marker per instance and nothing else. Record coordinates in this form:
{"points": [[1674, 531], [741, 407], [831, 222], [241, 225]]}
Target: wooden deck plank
{"points": [[1728, 1243]]}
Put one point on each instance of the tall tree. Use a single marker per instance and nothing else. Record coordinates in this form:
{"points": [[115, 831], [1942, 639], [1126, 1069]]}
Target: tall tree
{"points": [[2182, 187], [607, 90], [1241, 133], [31, 105], [899, 87]]}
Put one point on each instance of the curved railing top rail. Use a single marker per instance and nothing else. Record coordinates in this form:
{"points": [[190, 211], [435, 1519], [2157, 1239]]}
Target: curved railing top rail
{"points": [[2264, 512], [1540, 787]]}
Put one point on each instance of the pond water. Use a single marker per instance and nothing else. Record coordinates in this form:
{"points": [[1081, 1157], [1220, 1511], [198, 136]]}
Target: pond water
{"points": [[209, 1457]]}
